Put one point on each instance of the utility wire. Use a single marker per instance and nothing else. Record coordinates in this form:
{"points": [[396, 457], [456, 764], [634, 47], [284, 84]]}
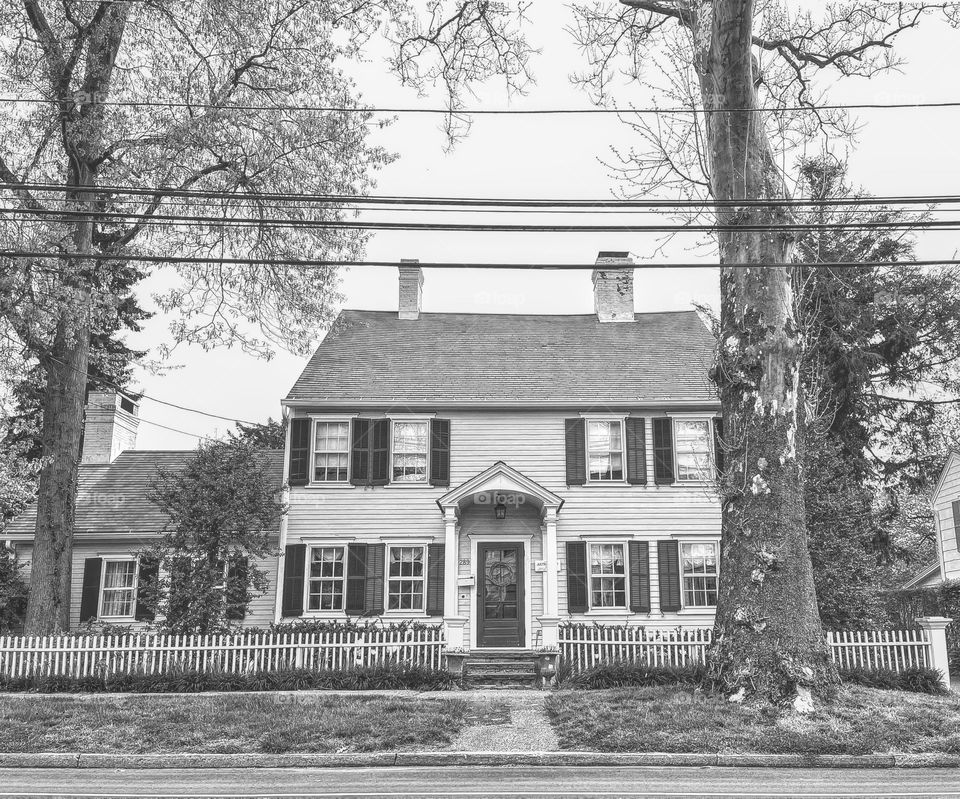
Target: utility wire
{"points": [[528, 202], [319, 263], [119, 217], [164, 103]]}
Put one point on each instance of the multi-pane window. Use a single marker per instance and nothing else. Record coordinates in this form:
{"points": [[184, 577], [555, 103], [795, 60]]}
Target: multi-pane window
{"points": [[405, 578], [326, 578], [331, 450], [410, 452], [605, 449], [699, 575], [692, 445], [608, 587], [118, 593]]}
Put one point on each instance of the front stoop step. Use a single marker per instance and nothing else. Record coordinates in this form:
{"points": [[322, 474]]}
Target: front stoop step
{"points": [[490, 668]]}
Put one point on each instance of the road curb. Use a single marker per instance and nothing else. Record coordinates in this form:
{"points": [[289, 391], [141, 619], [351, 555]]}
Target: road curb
{"points": [[454, 759]]}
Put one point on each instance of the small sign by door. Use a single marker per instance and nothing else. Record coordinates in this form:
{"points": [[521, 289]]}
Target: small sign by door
{"points": [[539, 565]]}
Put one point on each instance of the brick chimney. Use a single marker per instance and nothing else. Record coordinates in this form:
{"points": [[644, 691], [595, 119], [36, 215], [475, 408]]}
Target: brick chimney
{"points": [[110, 426], [613, 287], [411, 288]]}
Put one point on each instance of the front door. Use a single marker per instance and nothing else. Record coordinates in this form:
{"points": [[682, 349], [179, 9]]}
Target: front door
{"points": [[500, 595]]}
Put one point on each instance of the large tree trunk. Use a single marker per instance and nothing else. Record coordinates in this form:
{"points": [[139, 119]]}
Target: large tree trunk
{"points": [[768, 638], [48, 604]]}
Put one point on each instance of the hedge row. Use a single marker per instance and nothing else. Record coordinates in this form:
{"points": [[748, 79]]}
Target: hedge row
{"points": [[631, 675], [192, 681]]}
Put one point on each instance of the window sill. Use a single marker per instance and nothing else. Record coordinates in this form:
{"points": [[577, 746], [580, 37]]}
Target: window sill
{"points": [[405, 613], [607, 483], [337, 485], [408, 485], [117, 619], [609, 612]]}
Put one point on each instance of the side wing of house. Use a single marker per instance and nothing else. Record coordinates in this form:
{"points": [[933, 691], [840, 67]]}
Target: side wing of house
{"points": [[946, 512]]}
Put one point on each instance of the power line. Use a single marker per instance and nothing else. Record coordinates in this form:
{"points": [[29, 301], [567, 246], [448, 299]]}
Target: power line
{"points": [[310, 262], [164, 103], [120, 217], [483, 201]]}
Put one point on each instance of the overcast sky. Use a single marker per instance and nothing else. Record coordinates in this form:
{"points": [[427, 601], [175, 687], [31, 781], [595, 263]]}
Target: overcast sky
{"points": [[898, 152]]}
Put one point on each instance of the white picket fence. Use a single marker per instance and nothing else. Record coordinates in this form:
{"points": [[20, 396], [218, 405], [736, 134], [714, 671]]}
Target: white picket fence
{"points": [[583, 647], [104, 655]]}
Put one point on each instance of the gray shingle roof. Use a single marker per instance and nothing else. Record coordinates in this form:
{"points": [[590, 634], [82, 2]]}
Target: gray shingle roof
{"points": [[375, 356], [112, 498]]}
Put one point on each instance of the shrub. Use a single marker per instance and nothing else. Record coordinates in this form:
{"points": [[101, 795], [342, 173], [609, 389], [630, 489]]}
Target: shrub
{"points": [[918, 680], [192, 681], [622, 674]]}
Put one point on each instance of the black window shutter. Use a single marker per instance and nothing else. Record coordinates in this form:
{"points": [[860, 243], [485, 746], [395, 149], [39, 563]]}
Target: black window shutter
{"points": [[146, 588], [299, 452], [373, 598], [90, 594], [237, 571], [576, 452], [577, 577], [360, 452], [718, 444], [639, 577], [356, 599], [294, 571], [380, 452], [663, 451], [440, 453], [956, 521], [435, 575], [668, 555], [636, 451]]}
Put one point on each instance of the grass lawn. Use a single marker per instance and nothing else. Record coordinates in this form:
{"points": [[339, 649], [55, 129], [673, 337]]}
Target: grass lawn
{"points": [[863, 721], [268, 723]]}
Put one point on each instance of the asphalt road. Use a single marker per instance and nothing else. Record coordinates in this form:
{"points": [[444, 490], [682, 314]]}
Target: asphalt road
{"points": [[482, 781]]}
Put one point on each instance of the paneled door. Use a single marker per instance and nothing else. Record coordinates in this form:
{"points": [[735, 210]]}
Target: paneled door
{"points": [[500, 596]]}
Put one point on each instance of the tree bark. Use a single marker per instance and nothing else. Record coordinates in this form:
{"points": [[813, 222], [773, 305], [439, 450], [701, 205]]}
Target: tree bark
{"points": [[769, 643], [48, 604]]}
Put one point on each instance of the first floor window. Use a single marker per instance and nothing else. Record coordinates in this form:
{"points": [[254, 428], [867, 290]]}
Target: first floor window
{"points": [[326, 579], [409, 452], [693, 449], [119, 593], [405, 578], [607, 576], [331, 449], [605, 450], [699, 575]]}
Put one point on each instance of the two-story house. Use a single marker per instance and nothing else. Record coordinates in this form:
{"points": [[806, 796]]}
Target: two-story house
{"points": [[498, 474], [505, 473]]}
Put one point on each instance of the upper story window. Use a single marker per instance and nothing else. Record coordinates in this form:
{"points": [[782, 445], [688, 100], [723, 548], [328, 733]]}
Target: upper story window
{"points": [[692, 445], [118, 592], [331, 452], [605, 449], [608, 583], [699, 565], [405, 578], [327, 578], [410, 443]]}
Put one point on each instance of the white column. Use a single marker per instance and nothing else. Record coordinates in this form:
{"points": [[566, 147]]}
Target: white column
{"points": [[550, 620], [454, 623], [936, 627]]}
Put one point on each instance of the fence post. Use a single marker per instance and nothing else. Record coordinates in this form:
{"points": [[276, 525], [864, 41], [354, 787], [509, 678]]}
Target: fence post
{"points": [[936, 627]]}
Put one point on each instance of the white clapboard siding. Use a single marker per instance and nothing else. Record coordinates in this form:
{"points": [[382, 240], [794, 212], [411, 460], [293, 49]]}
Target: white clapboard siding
{"points": [[583, 647], [948, 492], [101, 656]]}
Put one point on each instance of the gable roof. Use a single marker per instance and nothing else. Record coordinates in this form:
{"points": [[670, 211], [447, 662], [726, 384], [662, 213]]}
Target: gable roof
{"points": [[375, 357], [112, 498]]}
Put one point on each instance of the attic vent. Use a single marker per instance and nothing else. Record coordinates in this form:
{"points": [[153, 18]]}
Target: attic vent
{"points": [[127, 404]]}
